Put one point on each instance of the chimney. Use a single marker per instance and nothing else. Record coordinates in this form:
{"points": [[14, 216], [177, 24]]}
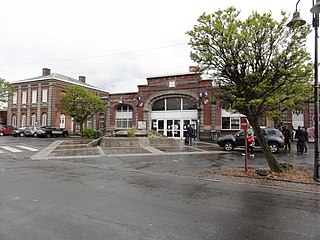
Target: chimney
{"points": [[45, 71], [82, 79]]}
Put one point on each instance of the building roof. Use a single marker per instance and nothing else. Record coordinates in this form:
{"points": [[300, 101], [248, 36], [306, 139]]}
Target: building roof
{"points": [[60, 77]]}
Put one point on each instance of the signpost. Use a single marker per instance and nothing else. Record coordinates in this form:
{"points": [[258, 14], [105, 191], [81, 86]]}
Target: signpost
{"points": [[244, 127]]}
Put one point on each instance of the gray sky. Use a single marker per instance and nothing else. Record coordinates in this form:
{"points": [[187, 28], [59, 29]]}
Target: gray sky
{"points": [[115, 44]]}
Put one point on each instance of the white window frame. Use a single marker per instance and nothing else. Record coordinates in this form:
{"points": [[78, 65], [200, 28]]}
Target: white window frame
{"points": [[24, 97], [23, 120], [34, 119], [15, 98], [14, 120], [62, 121], [44, 119], [45, 95], [34, 96]]}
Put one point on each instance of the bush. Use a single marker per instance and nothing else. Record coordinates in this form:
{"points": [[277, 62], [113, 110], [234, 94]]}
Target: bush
{"points": [[97, 134], [91, 133], [131, 133]]}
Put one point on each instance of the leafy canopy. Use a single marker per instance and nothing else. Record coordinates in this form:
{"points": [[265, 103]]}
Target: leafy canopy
{"points": [[259, 63], [80, 103], [5, 90]]}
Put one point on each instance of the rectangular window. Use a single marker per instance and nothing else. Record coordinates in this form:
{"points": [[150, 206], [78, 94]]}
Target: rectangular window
{"points": [[34, 96], [225, 123], [15, 98], [123, 123], [231, 123], [44, 95], [24, 97]]}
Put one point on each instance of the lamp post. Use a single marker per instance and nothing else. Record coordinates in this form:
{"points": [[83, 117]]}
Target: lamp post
{"points": [[296, 22]]}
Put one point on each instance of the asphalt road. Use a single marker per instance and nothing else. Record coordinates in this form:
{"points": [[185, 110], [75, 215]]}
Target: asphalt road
{"points": [[135, 198]]}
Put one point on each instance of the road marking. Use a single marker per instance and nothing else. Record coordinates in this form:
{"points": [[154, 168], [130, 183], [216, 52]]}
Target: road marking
{"points": [[28, 148], [11, 149]]}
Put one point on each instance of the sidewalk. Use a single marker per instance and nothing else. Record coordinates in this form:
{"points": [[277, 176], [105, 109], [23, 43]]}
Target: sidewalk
{"points": [[82, 148]]}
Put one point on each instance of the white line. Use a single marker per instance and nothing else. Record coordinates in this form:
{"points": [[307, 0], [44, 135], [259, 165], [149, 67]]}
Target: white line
{"points": [[28, 148], [11, 149]]}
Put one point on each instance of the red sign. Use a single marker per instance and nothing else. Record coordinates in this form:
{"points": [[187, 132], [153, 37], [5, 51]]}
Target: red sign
{"points": [[313, 118], [244, 124]]}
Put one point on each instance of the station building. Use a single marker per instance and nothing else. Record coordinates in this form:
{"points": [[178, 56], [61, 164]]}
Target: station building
{"points": [[166, 104]]}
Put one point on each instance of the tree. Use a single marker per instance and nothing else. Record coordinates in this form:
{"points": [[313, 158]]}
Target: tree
{"points": [[81, 104], [5, 91], [258, 63]]}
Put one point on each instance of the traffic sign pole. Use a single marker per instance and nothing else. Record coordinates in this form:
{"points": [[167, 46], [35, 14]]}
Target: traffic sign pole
{"points": [[244, 127]]}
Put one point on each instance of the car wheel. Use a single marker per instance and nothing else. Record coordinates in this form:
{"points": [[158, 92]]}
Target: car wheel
{"points": [[1, 133], [228, 146], [35, 135], [21, 134], [64, 135], [48, 135], [274, 147]]}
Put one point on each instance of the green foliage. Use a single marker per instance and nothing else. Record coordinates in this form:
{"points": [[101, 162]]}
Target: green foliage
{"points": [[5, 90], [81, 104], [131, 133], [259, 64], [88, 132], [91, 133]]}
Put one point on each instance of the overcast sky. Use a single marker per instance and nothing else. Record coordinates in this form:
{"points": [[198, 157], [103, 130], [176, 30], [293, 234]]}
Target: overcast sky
{"points": [[115, 44]]}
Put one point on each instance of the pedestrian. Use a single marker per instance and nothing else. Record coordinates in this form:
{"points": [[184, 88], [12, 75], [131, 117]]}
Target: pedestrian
{"points": [[189, 133], [305, 141], [250, 142], [287, 138], [299, 136]]}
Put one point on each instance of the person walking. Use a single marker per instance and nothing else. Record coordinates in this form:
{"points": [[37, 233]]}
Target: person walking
{"points": [[189, 133], [250, 142], [299, 136], [287, 138], [305, 141]]}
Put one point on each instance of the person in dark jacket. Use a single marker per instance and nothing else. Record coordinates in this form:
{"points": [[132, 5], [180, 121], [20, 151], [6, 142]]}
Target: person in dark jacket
{"points": [[300, 137], [305, 142], [190, 133], [287, 138]]}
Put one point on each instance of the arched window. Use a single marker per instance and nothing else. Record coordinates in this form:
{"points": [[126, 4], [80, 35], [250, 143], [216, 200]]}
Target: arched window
{"points": [[23, 120], [89, 122], [62, 121], [44, 119], [124, 117], [33, 119], [101, 121], [174, 104], [14, 120]]}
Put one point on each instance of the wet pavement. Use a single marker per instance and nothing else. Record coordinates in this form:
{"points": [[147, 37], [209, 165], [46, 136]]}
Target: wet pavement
{"points": [[83, 148]]}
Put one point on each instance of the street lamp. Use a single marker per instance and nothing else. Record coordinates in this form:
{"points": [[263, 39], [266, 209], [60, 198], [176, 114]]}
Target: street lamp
{"points": [[296, 22]]}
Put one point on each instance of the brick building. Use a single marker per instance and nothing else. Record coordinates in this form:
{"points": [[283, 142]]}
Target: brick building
{"points": [[35, 101], [166, 104]]}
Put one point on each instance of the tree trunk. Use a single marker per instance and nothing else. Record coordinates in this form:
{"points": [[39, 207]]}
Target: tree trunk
{"points": [[272, 162]]}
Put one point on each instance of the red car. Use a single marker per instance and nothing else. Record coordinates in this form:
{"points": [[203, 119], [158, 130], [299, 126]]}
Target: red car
{"points": [[6, 130]]}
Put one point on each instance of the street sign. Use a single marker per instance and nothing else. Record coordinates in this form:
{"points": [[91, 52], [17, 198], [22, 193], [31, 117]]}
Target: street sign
{"points": [[313, 118], [244, 124]]}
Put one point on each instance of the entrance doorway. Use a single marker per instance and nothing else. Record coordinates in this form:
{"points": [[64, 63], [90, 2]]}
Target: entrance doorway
{"points": [[173, 128]]}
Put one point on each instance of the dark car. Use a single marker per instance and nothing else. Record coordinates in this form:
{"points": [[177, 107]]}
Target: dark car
{"points": [[273, 136], [6, 130], [50, 131], [20, 132]]}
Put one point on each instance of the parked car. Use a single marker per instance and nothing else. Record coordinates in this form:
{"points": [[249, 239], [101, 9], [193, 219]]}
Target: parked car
{"points": [[6, 130], [51, 131], [20, 132], [273, 136], [31, 131]]}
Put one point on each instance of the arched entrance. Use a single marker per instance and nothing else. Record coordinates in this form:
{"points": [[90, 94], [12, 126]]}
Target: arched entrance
{"points": [[170, 116]]}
